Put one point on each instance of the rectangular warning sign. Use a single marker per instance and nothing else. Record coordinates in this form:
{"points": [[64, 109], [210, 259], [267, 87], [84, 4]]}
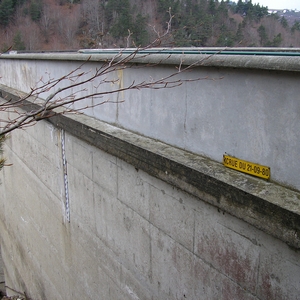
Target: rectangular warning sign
{"points": [[246, 167]]}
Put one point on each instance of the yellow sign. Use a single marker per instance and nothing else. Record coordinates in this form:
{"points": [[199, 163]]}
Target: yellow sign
{"points": [[246, 167]]}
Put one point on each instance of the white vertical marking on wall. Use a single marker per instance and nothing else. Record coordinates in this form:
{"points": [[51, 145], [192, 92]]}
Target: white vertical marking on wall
{"points": [[67, 207]]}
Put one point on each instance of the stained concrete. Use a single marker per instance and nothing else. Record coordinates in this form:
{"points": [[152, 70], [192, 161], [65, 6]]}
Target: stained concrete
{"points": [[140, 227], [2, 279], [246, 106], [151, 217], [270, 207]]}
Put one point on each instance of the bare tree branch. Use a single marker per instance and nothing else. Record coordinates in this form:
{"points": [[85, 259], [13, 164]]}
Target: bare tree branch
{"points": [[70, 88]]}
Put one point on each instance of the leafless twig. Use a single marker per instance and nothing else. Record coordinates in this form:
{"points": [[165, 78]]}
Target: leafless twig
{"points": [[65, 91]]}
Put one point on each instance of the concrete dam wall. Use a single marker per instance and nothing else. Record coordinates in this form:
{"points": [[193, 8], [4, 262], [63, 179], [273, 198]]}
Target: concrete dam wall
{"points": [[152, 212]]}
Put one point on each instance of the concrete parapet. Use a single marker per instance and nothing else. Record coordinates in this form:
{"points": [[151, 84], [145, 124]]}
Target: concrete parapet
{"points": [[267, 62]]}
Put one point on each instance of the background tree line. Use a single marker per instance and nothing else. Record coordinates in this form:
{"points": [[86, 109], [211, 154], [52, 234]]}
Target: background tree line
{"points": [[73, 24]]}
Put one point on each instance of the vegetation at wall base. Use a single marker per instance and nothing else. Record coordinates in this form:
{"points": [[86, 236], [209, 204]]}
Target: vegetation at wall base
{"points": [[73, 24]]}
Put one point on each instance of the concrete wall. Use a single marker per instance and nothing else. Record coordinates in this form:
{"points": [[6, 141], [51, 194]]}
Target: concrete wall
{"points": [[2, 278], [250, 110], [130, 236], [147, 220]]}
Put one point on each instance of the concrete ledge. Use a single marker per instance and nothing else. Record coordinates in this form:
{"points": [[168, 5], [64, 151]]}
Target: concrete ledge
{"points": [[267, 206], [266, 62]]}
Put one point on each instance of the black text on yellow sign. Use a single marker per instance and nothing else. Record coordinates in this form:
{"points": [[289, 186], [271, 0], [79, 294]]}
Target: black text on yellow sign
{"points": [[246, 167]]}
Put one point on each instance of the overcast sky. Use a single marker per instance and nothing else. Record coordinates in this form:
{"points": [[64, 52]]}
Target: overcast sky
{"points": [[279, 4]]}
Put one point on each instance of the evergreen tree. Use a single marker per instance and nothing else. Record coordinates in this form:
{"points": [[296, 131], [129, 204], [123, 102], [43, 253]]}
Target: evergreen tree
{"points": [[222, 10], [259, 12], [35, 10], [6, 11], [140, 33], [296, 26], [226, 38], [181, 39], [253, 12], [18, 42], [239, 34], [108, 12], [212, 7], [207, 29], [163, 8], [123, 21], [263, 35], [240, 7], [277, 40], [284, 22], [202, 6]]}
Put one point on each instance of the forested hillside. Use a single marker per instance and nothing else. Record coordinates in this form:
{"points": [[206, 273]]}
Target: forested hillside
{"points": [[65, 25]]}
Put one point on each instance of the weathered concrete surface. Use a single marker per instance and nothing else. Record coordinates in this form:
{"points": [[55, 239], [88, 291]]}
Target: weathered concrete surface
{"points": [[250, 110], [2, 279], [133, 235], [248, 198], [150, 218]]}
